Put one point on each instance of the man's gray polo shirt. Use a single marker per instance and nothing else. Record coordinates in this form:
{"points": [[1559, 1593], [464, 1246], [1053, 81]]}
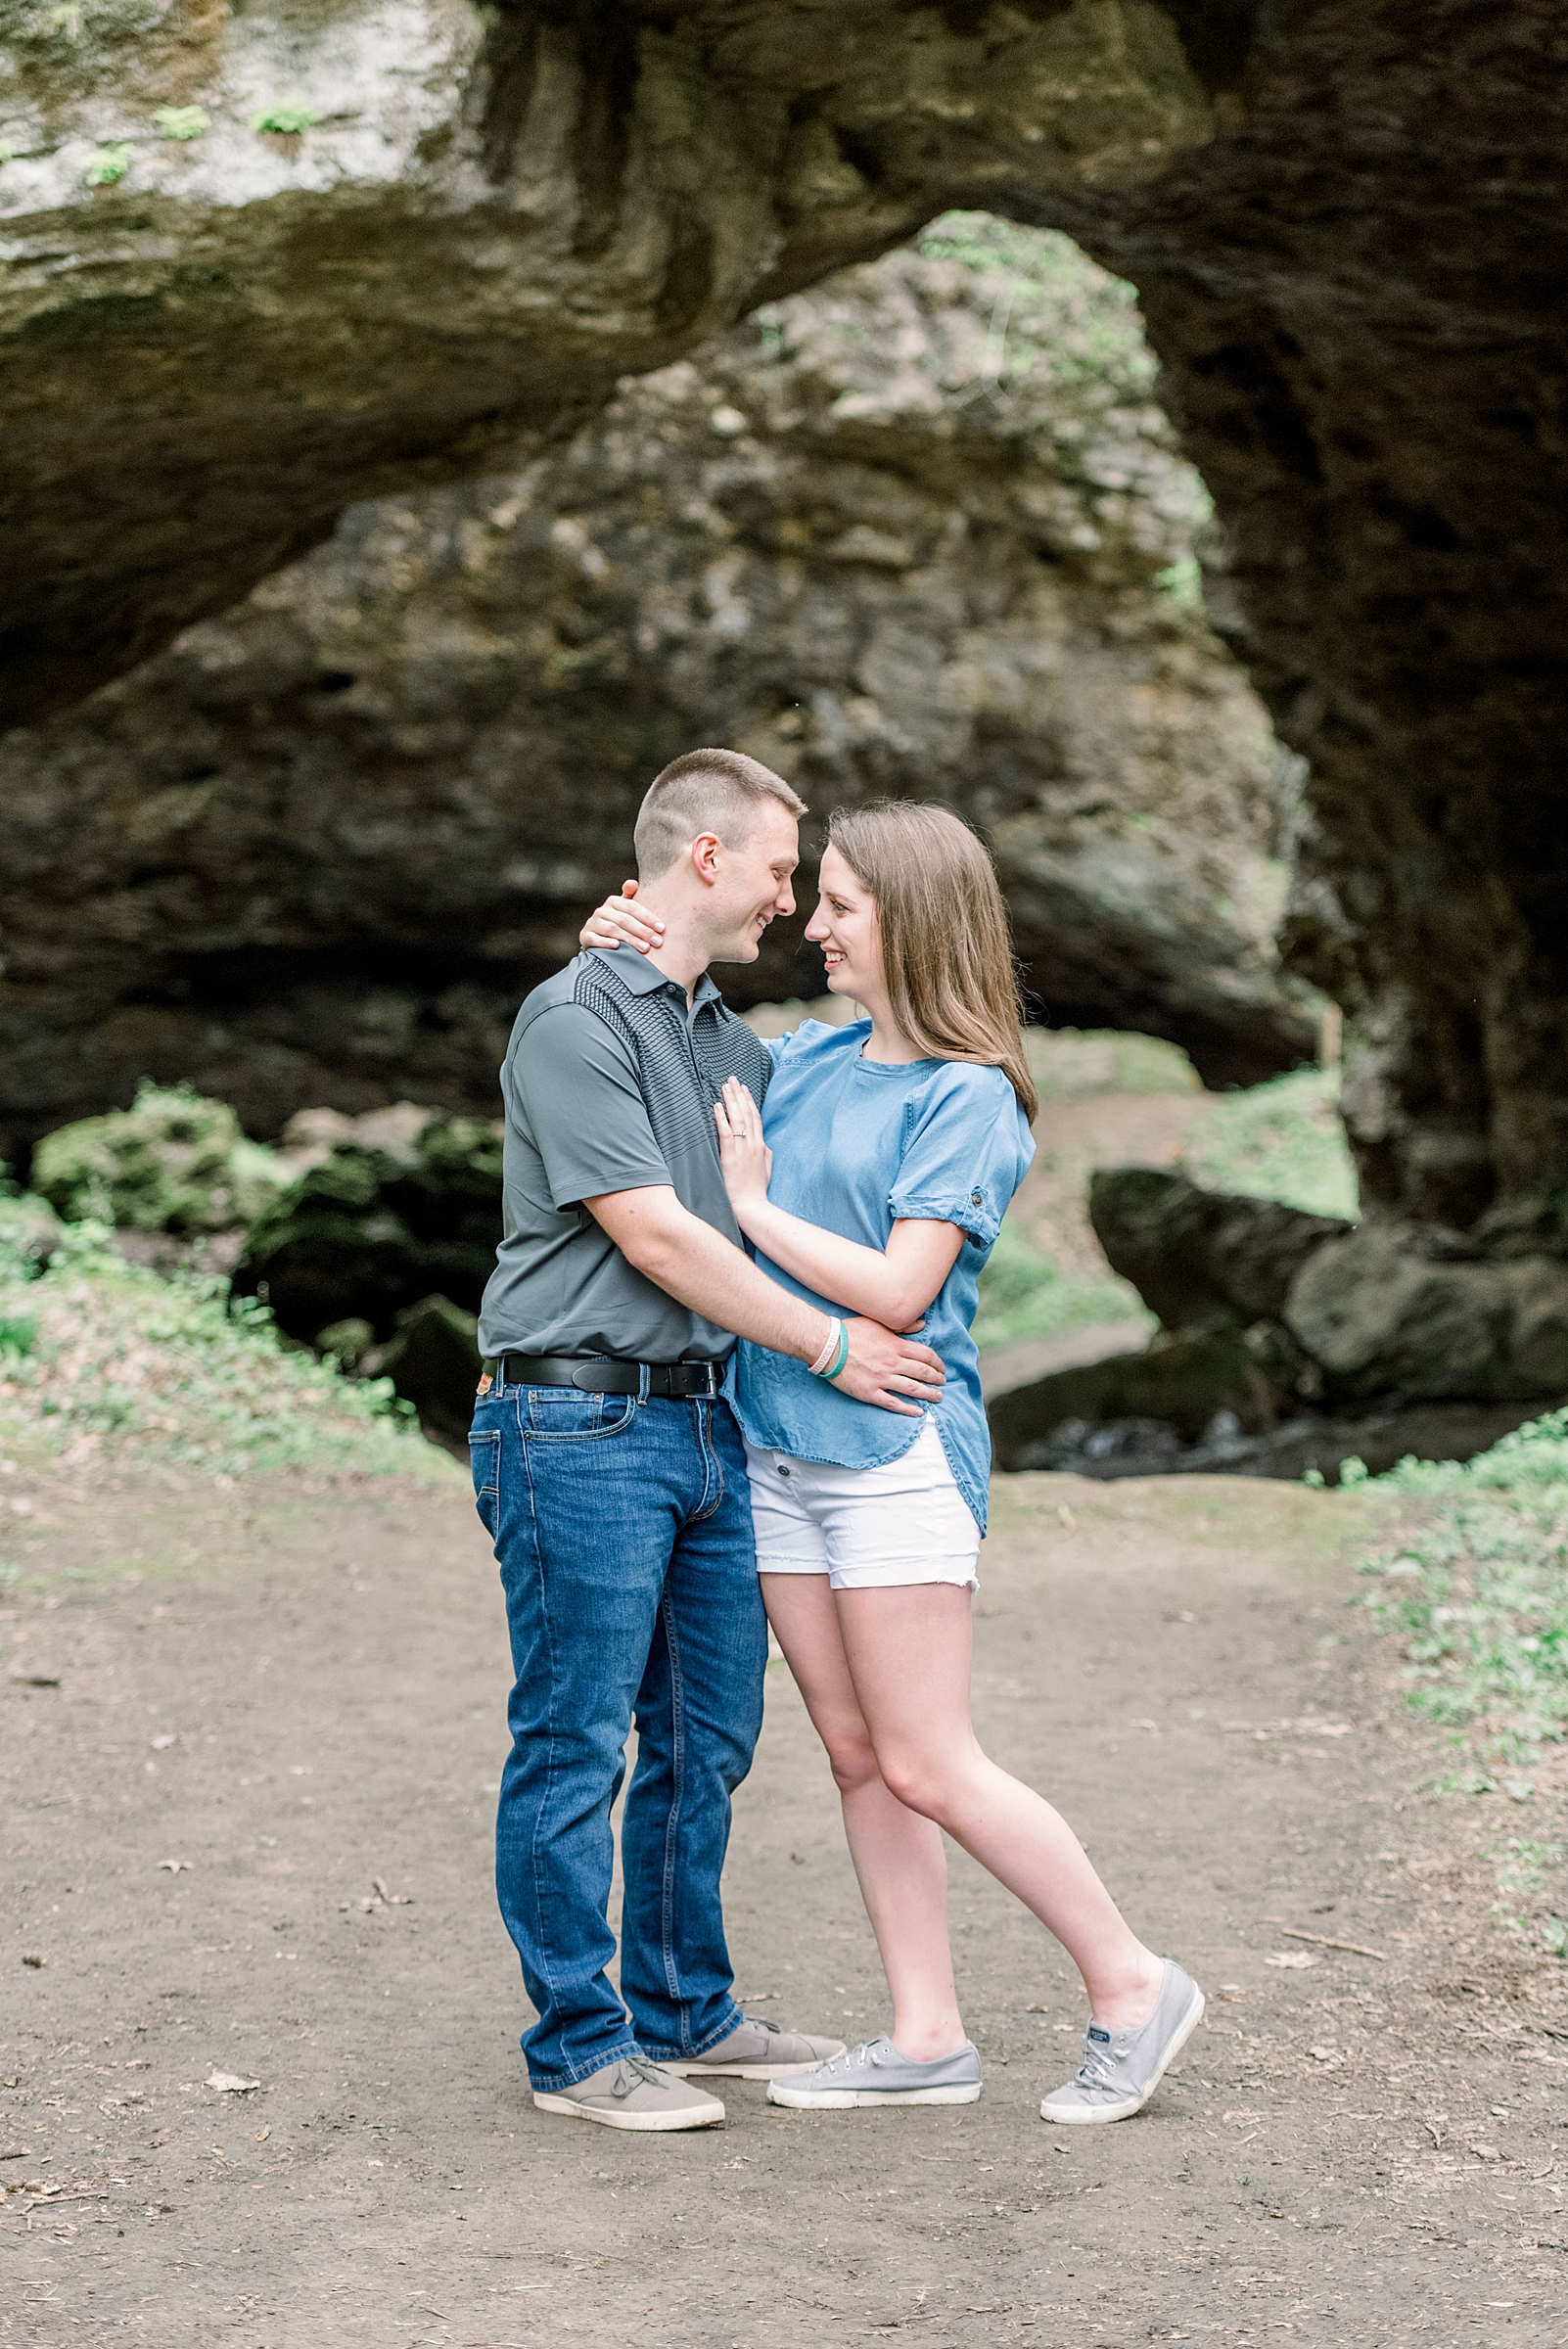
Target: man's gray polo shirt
{"points": [[609, 1084]]}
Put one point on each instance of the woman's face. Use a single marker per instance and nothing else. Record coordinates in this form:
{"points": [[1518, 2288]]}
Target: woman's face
{"points": [[844, 927]]}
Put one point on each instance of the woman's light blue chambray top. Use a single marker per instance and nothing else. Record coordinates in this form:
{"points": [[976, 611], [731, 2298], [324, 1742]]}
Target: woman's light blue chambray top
{"points": [[858, 1145]]}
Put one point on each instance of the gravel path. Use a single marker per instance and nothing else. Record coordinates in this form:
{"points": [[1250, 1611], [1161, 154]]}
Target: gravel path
{"points": [[246, 1809]]}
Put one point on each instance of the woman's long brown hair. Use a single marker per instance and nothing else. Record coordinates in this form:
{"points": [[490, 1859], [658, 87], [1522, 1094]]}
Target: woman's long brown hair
{"points": [[946, 954]]}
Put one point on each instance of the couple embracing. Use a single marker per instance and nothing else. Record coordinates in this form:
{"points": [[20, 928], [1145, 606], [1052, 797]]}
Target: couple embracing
{"points": [[674, 1184]]}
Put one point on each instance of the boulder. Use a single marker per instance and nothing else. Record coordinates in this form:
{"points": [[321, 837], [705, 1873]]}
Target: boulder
{"points": [[174, 1163], [1199, 1257], [1396, 1309], [433, 1361], [404, 1204], [1169, 1394]]}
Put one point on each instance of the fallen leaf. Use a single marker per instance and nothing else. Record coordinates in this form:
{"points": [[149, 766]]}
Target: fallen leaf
{"points": [[168, 1738], [174, 1866], [37, 1680], [1486, 2152], [263, 2135], [32, 1958], [15, 2154], [229, 2084], [1293, 1958]]}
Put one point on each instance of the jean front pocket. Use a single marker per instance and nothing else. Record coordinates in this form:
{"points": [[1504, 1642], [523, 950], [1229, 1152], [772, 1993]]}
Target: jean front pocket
{"points": [[563, 1414], [485, 1460]]}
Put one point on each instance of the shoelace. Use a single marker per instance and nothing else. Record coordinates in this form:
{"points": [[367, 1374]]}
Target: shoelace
{"points": [[632, 2071], [853, 2058], [1098, 2067]]}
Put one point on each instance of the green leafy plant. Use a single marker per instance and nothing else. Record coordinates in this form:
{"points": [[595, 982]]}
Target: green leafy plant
{"points": [[110, 164], [287, 117], [108, 1358], [1475, 1586], [182, 122], [17, 1328]]}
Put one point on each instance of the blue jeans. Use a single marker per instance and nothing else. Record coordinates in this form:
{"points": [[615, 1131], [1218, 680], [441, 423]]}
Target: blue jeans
{"points": [[623, 1531]]}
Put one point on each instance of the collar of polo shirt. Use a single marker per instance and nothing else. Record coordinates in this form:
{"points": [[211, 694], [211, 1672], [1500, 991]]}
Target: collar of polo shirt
{"points": [[645, 978]]}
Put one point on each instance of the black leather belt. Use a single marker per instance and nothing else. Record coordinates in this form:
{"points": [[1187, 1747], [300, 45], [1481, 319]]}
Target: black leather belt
{"points": [[596, 1374]]}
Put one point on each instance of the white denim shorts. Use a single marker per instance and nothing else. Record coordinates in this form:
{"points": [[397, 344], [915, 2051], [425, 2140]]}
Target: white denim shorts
{"points": [[868, 1529]]}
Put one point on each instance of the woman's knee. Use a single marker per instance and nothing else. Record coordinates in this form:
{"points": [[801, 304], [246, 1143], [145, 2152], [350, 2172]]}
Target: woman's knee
{"points": [[918, 1781], [852, 1758]]}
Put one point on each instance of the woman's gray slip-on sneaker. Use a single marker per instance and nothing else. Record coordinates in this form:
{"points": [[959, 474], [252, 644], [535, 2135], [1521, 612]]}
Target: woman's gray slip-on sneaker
{"points": [[879, 2073], [756, 2051], [1122, 2069], [633, 2094]]}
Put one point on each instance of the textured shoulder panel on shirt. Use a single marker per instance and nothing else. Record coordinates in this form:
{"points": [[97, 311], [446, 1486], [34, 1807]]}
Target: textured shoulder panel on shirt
{"points": [[597, 990]]}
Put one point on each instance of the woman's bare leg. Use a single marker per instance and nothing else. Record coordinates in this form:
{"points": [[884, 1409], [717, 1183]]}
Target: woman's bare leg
{"points": [[897, 1855], [908, 1652]]}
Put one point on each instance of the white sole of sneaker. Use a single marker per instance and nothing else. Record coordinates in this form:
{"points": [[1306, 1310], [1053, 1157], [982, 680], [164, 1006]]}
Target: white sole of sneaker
{"points": [[751, 2071], [867, 2100], [548, 2102], [1078, 2116]]}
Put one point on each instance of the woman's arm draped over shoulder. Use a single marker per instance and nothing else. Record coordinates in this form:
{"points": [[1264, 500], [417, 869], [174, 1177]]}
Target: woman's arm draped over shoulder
{"points": [[893, 1285]]}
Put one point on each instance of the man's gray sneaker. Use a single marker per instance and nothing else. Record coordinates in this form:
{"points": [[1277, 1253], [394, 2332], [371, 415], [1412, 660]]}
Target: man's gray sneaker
{"points": [[633, 2094], [758, 2051], [879, 2073], [1122, 2069]]}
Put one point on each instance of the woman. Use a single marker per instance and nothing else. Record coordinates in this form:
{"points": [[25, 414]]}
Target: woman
{"points": [[874, 1183]]}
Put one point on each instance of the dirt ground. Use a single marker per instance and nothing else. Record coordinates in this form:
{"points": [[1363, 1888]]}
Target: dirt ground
{"points": [[251, 1743]]}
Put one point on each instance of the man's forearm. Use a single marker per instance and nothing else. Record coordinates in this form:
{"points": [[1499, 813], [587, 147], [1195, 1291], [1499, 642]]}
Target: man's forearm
{"points": [[703, 1270]]}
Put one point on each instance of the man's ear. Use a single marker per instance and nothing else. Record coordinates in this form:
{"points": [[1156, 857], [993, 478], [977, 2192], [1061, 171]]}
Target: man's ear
{"points": [[705, 853]]}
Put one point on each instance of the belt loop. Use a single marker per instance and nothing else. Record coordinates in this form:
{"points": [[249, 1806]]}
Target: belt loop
{"points": [[643, 1376]]}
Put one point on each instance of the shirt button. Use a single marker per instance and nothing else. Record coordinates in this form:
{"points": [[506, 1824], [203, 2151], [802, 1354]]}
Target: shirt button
{"points": [[977, 1198], [783, 1471]]}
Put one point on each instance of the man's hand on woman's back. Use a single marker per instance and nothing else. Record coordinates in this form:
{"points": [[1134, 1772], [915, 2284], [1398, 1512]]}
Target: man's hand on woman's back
{"points": [[894, 1370]]}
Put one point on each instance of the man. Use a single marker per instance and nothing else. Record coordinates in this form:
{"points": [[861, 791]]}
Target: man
{"points": [[612, 1476]]}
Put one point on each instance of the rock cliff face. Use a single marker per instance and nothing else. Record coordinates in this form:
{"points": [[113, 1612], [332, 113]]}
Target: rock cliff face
{"points": [[920, 532], [413, 232]]}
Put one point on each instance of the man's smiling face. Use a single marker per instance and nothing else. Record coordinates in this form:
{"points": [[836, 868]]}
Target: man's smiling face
{"points": [[752, 883]]}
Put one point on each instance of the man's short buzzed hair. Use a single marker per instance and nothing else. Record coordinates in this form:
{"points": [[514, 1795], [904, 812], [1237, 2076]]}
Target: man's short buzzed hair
{"points": [[703, 791]]}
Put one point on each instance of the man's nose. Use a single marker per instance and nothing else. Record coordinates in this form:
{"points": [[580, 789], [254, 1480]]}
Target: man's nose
{"points": [[785, 901]]}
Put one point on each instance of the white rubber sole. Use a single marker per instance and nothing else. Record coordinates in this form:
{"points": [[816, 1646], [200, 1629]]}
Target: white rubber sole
{"points": [[698, 2070], [548, 2101], [867, 2100], [1084, 2116]]}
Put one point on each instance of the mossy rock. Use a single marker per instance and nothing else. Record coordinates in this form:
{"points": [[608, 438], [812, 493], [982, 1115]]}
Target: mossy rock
{"points": [[1179, 1385], [174, 1162], [379, 1223], [29, 1233], [433, 1363]]}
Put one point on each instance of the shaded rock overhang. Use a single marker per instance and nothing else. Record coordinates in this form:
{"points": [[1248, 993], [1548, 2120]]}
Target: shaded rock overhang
{"points": [[1344, 220]]}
